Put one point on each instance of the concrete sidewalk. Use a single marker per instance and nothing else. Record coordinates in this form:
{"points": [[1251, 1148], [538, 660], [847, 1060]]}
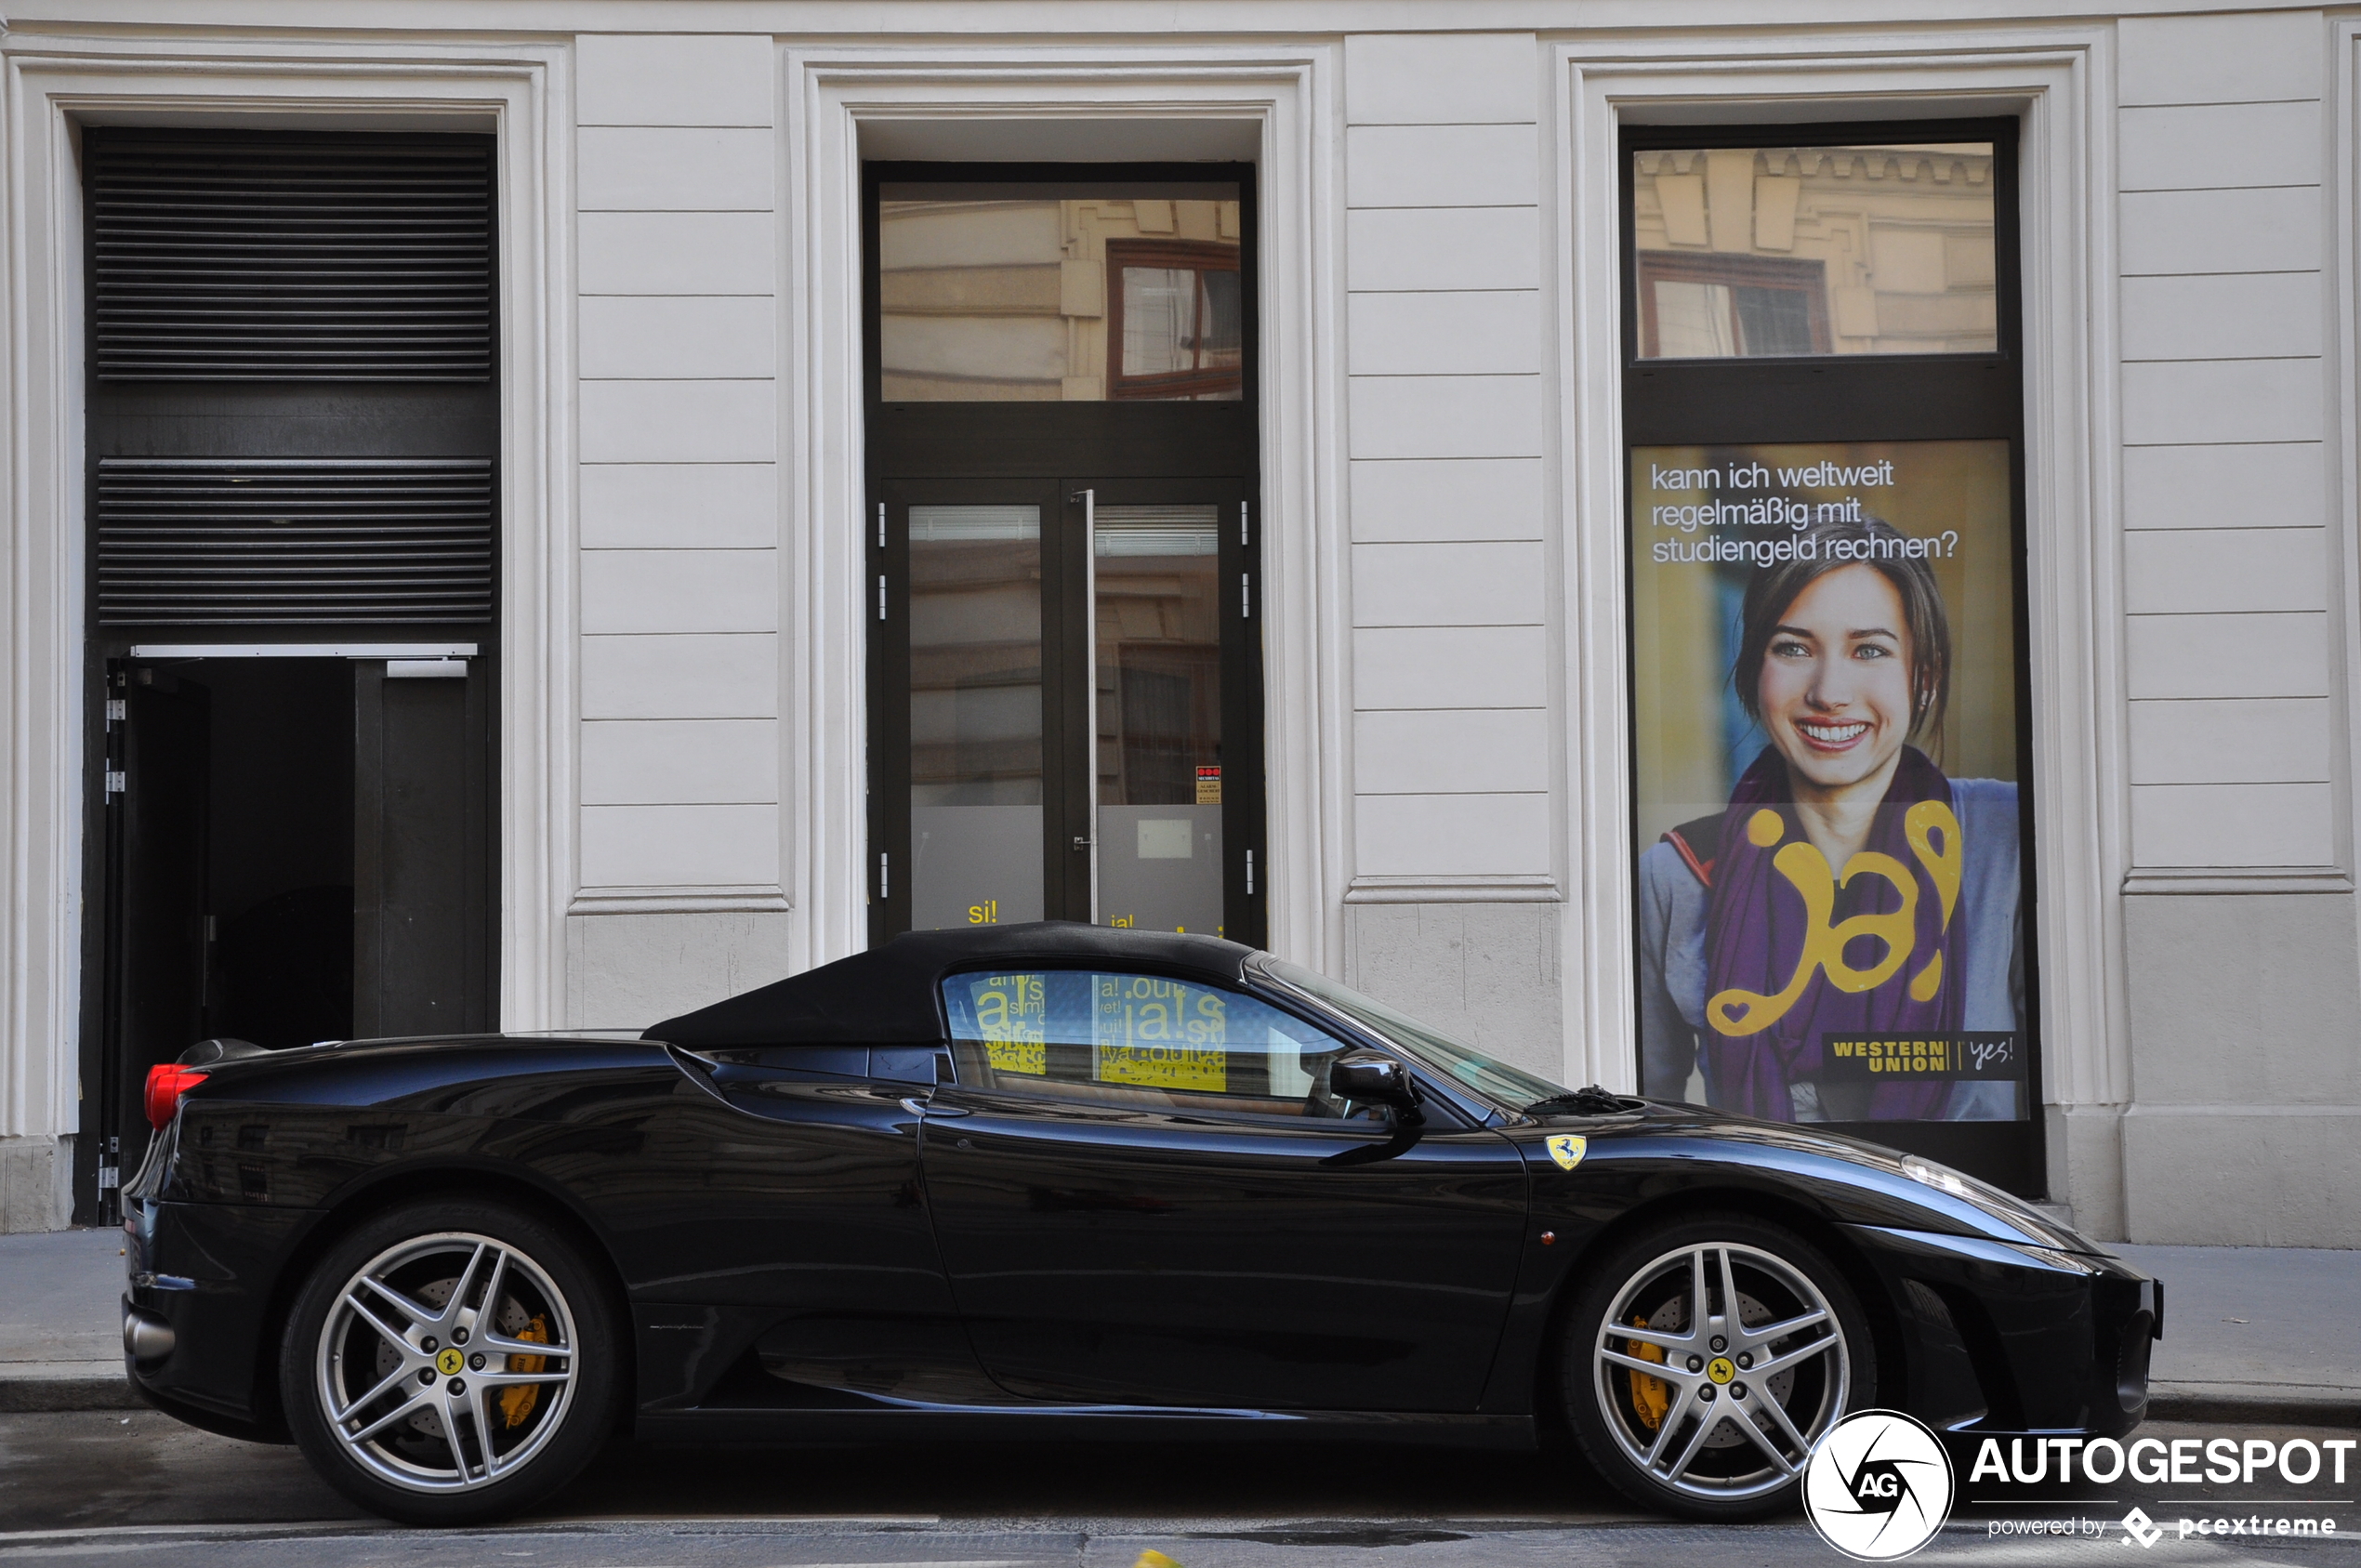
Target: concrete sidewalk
{"points": [[2268, 1334], [2251, 1334], [61, 1321]]}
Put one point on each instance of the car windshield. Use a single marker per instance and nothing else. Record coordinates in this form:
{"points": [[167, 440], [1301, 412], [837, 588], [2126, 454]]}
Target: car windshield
{"points": [[1493, 1079]]}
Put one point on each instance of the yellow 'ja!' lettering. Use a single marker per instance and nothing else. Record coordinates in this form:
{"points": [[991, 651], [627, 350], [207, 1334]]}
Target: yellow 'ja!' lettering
{"points": [[1933, 833]]}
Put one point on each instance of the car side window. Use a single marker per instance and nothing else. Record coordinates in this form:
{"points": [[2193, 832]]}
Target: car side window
{"points": [[1139, 1039]]}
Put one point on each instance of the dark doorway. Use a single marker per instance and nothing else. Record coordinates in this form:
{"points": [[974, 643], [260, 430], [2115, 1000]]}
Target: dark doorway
{"points": [[293, 427], [1066, 702], [281, 835], [297, 853]]}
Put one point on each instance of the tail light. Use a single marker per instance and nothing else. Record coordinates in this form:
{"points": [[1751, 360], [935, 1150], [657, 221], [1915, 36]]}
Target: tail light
{"points": [[167, 1084]]}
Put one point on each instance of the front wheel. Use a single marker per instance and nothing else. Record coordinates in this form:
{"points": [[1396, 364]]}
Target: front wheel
{"points": [[450, 1361], [1702, 1362]]}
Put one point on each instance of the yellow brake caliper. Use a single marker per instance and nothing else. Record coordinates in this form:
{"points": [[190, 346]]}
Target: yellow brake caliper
{"points": [[517, 1402], [1650, 1397]]}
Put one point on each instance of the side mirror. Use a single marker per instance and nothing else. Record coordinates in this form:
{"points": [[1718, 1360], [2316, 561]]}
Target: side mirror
{"points": [[1379, 1080]]}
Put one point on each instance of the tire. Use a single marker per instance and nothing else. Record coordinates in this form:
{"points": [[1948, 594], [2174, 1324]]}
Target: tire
{"points": [[1715, 1441], [389, 1375]]}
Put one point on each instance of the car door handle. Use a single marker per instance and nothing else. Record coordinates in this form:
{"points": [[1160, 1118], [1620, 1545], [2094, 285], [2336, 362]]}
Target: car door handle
{"points": [[918, 1107]]}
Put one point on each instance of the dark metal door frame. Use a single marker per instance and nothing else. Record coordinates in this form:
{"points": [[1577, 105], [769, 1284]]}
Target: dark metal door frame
{"points": [[1067, 752], [1048, 452], [421, 756], [150, 778]]}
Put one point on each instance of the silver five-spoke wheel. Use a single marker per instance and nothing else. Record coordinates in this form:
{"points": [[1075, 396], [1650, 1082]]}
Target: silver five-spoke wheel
{"points": [[450, 1360], [447, 1362], [1710, 1361], [1709, 1387]]}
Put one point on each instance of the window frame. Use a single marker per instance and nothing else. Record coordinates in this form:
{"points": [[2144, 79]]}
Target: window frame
{"points": [[1129, 450], [1440, 1107], [1834, 397]]}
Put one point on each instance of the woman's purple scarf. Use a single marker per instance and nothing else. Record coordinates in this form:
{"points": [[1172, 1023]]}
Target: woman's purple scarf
{"points": [[1755, 934]]}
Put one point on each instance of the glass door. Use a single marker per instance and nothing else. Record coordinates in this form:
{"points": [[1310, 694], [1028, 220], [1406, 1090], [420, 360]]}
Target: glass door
{"points": [[965, 590], [1066, 706], [1067, 718], [1154, 624]]}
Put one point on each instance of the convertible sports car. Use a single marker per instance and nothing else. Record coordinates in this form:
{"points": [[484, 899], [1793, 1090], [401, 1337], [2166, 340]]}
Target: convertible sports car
{"points": [[1063, 1180]]}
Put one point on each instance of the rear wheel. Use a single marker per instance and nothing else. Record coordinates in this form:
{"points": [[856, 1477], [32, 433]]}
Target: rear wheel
{"points": [[450, 1361], [1701, 1363]]}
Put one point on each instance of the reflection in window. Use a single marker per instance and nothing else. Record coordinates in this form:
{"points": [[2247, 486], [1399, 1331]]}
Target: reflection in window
{"points": [[1158, 638], [975, 714], [1179, 321], [1140, 1040], [1159, 643], [1716, 307], [1048, 297], [1748, 252]]}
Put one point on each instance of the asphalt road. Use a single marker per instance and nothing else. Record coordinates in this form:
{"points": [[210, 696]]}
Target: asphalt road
{"points": [[102, 1485]]}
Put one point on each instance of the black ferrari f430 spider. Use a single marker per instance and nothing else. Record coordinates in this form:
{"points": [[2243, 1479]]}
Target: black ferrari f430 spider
{"points": [[1061, 1180]]}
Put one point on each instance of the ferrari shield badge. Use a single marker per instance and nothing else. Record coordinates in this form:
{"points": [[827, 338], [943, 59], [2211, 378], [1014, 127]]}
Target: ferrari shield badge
{"points": [[1567, 1149]]}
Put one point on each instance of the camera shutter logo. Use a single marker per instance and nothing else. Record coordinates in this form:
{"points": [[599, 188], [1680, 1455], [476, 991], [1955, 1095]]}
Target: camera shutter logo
{"points": [[1878, 1487]]}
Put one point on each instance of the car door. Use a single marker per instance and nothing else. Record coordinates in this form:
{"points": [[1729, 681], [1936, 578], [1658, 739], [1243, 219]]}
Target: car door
{"points": [[1144, 1194], [783, 1203]]}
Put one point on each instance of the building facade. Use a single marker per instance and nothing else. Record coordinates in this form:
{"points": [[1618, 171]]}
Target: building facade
{"points": [[1383, 288]]}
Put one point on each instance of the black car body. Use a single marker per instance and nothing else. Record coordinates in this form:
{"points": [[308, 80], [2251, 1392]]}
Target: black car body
{"points": [[814, 1225]]}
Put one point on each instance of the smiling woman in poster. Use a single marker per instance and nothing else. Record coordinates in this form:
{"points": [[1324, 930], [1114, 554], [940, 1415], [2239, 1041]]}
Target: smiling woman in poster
{"points": [[1849, 886]]}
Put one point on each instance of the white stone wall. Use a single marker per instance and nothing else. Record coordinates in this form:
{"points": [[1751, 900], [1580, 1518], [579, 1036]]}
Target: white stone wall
{"points": [[1448, 426], [36, 1183], [678, 352], [2244, 999], [2222, 497], [2226, 554], [1449, 435]]}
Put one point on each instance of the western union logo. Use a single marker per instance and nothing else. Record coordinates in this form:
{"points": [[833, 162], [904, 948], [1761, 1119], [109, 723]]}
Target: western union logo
{"points": [[1986, 1054], [1891, 1056]]}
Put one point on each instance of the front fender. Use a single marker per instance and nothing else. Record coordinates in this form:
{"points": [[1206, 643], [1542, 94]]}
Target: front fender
{"points": [[1829, 1186]]}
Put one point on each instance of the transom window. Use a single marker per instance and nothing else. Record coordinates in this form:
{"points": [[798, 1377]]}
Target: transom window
{"points": [[1047, 292], [1779, 252]]}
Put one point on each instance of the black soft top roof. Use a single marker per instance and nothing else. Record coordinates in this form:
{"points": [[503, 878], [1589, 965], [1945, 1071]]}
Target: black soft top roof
{"points": [[886, 997]]}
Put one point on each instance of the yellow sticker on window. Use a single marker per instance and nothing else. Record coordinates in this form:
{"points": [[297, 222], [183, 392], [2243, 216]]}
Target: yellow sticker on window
{"points": [[1161, 1034], [1012, 1015]]}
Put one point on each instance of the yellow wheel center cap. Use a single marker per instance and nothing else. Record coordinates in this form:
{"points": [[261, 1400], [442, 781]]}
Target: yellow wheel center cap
{"points": [[450, 1360], [1720, 1369]]}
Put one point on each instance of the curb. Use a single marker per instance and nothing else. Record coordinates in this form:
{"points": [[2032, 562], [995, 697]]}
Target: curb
{"points": [[2255, 1403], [72, 1385]]}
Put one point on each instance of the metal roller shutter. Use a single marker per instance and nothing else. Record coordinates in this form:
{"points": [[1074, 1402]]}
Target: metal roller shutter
{"points": [[260, 258], [262, 542]]}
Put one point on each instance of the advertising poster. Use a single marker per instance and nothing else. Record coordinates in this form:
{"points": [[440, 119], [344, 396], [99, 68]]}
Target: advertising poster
{"points": [[1828, 786]]}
